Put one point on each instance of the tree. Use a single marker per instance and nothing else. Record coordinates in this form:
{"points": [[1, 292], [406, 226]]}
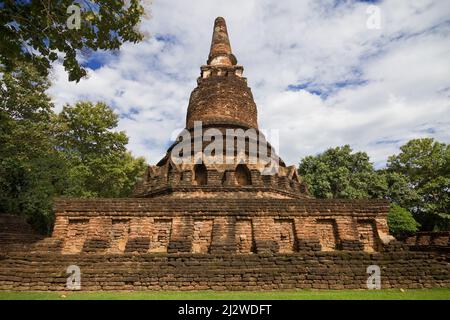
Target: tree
{"points": [[30, 168], [426, 165], [37, 31], [339, 173], [401, 221], [98, 162], [399, 189], [44, 155]]}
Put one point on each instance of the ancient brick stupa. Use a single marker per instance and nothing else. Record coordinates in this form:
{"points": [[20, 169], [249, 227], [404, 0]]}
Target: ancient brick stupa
{"points": [[222, 103], [242, 223]]}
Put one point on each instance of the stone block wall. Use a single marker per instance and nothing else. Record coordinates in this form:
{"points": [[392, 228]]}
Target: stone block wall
{"points": [[15, 232], [227, 226], [429, 241], [187, 244], [188, 271]]}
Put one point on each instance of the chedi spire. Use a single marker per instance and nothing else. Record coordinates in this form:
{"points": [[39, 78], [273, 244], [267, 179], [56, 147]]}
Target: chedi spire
{"points": [[220, 52], [222, 96]]}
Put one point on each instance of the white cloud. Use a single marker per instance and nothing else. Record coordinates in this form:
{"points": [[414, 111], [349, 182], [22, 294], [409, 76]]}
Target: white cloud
{"points": [[401, 88]]}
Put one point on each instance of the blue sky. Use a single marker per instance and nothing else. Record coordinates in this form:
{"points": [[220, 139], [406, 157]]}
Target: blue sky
{"points": [[317, 73]]}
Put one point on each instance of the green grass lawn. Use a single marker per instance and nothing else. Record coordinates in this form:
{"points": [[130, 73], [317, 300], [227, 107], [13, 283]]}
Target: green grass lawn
{"points": [[387, 294]]}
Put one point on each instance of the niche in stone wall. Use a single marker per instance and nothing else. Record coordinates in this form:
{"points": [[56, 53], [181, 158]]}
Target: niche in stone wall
{"points": [[368, 235], [200, 174], [201, 239], [245, 243], [285, 233], [160, 236], [243, 175], [327, 232], [77, 230], [119, 235], [186, 176]]}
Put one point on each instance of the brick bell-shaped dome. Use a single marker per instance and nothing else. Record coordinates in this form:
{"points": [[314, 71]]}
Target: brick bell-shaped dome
{"points": [[222, 95], [221, 101]]}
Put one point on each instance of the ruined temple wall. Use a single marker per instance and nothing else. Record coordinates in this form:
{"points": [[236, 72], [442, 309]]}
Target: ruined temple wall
{"points": [[141, 244], [428, 238], [308, 269], [218, 225], [15, 232]]}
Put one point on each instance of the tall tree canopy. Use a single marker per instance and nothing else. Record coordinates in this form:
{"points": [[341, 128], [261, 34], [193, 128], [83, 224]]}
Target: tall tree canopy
{"points": [[37, 31], [30, 167], [416, 181], [43, 154], [99, 163], [339, 173], [426, 165]]}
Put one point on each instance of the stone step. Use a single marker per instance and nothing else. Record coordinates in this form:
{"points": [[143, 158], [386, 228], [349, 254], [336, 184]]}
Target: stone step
{"points": [[319, 270]]}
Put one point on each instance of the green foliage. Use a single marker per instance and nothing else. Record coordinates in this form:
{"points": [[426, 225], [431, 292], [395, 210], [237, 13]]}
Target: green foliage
{"points": [[339, 173], [401, 221], [43, 155], [425, 164], [36, 31], [417, 179], [399, 189], [96, 154], [29, 164]]}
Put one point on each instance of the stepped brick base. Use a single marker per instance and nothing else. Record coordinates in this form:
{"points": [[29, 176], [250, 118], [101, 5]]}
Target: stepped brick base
{"points": [[16, 233], [143, 244], [219, 226], [430, 241], [150, 271]]}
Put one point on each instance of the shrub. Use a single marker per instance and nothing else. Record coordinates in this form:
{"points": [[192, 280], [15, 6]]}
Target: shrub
{"points": [[401, 221]]}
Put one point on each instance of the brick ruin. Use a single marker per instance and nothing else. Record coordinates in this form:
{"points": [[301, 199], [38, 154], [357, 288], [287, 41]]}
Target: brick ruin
{"points": [[224, 226]]}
